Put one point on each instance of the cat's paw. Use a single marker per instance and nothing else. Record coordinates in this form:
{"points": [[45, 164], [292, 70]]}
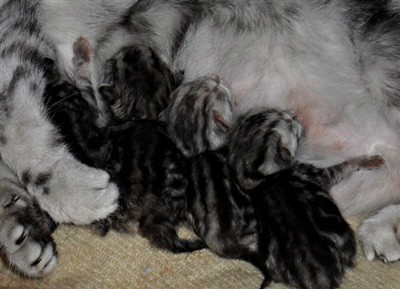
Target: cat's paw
{"points": [[76, 193], [31, 255], [25, 237], [371, 162], [378, 235]]}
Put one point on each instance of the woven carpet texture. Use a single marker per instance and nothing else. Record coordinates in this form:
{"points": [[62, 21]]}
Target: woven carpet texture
{"points": [[123, 261]]}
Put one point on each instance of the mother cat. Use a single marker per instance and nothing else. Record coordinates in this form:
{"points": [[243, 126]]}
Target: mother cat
{"points": [[334, 63]]}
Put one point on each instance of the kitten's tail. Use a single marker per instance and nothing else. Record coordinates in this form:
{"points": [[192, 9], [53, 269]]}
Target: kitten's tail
{"points": [[254, 258]]}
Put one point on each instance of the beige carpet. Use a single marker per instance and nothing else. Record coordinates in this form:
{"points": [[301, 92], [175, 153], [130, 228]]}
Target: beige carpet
{"points": [[123, 261]]}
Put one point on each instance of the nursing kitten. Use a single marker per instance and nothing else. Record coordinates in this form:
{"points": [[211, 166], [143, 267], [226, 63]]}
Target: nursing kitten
{"points": [[200, 115], [137, 84], [219, 212], [302, 236], [335, 63], [143, 161]]}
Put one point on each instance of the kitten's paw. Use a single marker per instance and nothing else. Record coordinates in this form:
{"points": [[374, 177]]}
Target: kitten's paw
{"points": [[25, 238], [378, 235], [77, 193], [371, 162]]}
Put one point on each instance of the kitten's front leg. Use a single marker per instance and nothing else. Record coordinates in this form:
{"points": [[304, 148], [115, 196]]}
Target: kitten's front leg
{"points": [[379, 234], [334, 174]]}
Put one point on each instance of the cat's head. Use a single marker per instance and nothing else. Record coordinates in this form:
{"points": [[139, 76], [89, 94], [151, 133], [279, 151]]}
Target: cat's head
{"points": [[137, 84], [262, 142], [200, 115]]}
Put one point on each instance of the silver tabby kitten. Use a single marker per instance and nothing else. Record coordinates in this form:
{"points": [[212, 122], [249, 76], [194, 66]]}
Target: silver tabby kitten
{"points": [[219, 212], [296, 217], [334, 63], [145, 164], [290, 212]]}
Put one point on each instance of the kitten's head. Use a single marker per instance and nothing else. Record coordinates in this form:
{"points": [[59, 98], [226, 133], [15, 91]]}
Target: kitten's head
{"points": [[74, 117], [134, 83], [262, 142], [200, 115], [137, 84]]}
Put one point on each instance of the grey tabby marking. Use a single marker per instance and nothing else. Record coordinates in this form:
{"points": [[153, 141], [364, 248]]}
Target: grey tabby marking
{"points": [[334, 63], [25, 230], [137, 84], [200, 115], [29, 148], [298, 220], [218, 211], [146, 165], [42, 168], [263, 141], [296, 216]]}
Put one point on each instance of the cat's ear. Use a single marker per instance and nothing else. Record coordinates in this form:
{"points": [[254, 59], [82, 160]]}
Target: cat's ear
{"points": [[286, 150], [283, 150], [222, 123], [82, 58]]}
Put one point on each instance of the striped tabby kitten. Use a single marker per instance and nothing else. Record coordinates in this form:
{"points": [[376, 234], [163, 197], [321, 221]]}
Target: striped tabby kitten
{"points": [[302, 235], [200, 115], [335, 63], [219, 212], [146, 165]]}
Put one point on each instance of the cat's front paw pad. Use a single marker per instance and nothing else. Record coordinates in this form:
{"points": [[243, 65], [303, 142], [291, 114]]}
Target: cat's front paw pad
{"points": [[379, 239], [28, 249], [79, 194]]}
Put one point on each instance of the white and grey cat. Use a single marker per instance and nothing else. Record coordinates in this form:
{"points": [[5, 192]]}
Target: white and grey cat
{"points": [[335, 64]]}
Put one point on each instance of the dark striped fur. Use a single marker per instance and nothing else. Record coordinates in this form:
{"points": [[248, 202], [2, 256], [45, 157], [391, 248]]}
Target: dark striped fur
{"points": [[219, 211], [302, 236], [200, 115], [137, 84], [263, 141], [146, 165]]}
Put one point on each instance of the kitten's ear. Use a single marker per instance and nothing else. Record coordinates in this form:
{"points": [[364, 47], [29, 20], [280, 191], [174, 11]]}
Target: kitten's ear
{"points": [[82, 58], [82, 50], [222, 123], [284, 151]]}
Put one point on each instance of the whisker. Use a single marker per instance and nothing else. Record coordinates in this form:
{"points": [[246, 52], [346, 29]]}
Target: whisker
{"points": [[61, 100]]}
